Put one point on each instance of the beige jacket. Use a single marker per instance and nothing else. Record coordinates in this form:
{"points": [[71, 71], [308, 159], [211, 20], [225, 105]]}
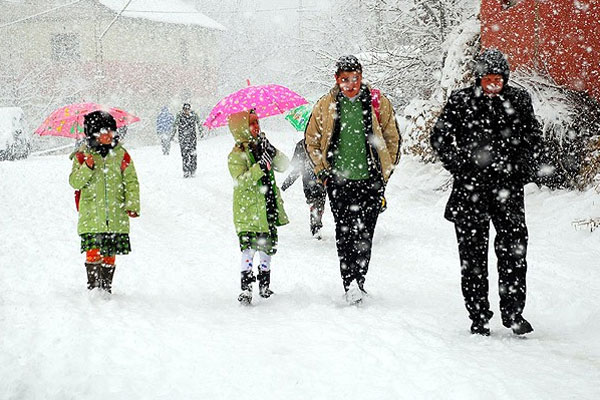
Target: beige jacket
{"points": [[386, 138]]}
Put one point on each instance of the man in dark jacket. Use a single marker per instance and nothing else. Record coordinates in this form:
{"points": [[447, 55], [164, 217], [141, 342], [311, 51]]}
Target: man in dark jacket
{"points": [[313, 191], [185, 125], [488, 138]]}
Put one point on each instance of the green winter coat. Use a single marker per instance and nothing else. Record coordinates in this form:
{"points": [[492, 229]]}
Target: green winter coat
{"points": [[107, 193], [249, 203]]}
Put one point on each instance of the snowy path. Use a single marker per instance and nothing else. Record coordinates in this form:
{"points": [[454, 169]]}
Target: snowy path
{"points": [[173, 328]]}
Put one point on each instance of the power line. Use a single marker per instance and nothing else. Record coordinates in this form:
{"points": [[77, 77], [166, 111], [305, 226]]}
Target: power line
{"points": [[113, 21], [40, 13], [299, 9]]}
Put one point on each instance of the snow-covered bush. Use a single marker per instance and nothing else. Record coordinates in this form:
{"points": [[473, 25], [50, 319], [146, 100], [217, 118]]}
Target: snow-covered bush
{"points": [[570, 123], [419, 118], [14, 141]]}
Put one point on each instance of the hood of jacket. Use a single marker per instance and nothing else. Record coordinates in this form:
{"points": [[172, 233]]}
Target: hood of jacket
{"points": [[239, 126], [491, 61]]}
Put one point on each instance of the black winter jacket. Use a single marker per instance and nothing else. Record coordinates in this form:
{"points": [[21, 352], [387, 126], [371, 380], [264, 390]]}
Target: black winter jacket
{"points": [[488, 140], [488, 144]]}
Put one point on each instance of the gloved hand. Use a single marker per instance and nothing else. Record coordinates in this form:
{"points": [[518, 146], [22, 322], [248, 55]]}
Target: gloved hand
{"points": [[323, 177], [268, 148], [383, 204], [89, 161], [265, 162], [132, 214], [264, 152]]}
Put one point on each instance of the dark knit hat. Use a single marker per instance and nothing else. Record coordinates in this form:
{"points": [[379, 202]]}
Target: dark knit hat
{"points": [[347, 63], [97, 120], [492, 61]]}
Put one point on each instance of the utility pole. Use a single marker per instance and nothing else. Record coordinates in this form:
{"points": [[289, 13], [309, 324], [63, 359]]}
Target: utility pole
{"points": [[300, 16], [99, 77]]}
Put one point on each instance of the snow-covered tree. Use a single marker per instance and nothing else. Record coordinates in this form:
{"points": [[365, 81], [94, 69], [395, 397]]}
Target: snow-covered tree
{"points": [[407, 43]]}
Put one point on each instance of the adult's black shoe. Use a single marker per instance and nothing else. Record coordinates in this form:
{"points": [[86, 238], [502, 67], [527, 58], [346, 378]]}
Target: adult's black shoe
{"points": [[519, 325], [480, 328]]}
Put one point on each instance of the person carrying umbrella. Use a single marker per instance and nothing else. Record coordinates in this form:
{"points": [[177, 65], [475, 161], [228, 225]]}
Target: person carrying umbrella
{"points": [[187, 126], [105, 179], [352, 141], [257, 204]]}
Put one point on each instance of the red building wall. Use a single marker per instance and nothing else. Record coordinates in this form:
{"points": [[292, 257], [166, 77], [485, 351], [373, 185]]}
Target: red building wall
{"points": [[559, 38]]}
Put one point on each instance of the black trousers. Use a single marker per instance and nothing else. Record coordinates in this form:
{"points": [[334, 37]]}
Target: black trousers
{"points": [[355, 207], [187, 144], [317, 207], [511, 250]]}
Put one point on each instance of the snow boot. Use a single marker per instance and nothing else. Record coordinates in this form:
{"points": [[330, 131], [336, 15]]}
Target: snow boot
{"points": [[264, 280], [246, 296], [518, 324], [315, 231], [480, 325], [353, 295], [93, 275], [361, 285], [108, 271]]}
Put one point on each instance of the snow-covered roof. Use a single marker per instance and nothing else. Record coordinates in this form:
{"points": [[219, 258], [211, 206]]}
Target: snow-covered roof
{"points": [[171, 11]]}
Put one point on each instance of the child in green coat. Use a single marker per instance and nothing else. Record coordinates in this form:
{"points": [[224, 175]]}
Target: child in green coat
{"points": [[257, 203], [107, 192]]}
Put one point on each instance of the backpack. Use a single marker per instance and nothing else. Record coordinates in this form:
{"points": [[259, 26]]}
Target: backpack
{"points": [[81, 158], [375, 96]]}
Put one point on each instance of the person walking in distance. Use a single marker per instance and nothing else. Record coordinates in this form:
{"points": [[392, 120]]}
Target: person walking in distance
{"points": [[188, 128]]}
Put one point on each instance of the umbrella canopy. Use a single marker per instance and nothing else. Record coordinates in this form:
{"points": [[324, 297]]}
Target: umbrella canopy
{"points": [[267, 100], [67, 121], [299, 116]]}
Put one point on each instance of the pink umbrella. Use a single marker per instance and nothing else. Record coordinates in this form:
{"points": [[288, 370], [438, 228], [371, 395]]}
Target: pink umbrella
{"points": [[267, 100], [67, 121]]}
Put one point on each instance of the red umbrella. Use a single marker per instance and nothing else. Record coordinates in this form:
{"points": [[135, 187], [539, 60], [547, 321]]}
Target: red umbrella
{"points": [[67, 121]]}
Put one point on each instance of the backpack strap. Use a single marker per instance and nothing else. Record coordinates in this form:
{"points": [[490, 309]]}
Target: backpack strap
{"points": [[80, 157], [375, 102], [125, 162]]}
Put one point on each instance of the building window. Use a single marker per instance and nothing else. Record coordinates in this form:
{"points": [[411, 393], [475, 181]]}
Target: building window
{"points": [[506, 4], [65, 47]]}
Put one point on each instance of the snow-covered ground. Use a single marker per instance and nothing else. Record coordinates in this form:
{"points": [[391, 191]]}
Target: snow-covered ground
{"points": [[173, 328]]}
